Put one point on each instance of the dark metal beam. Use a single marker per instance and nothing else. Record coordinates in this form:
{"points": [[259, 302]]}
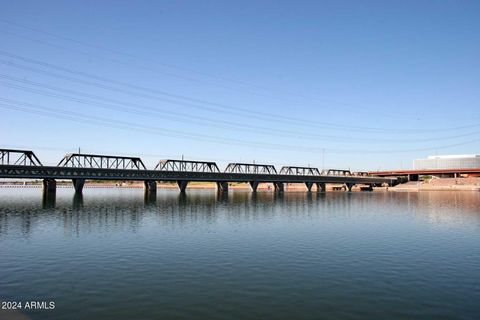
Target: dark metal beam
{"points": [[96, 161], [303, 171], [337, 172], [50, 172], [250, 168], [18, 157], [186, 166]]}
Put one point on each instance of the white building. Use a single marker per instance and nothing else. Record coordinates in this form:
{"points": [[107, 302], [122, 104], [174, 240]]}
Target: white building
{"points": [[448, 162]]}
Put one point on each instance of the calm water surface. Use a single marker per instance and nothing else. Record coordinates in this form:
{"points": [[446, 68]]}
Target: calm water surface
{"points": [[113, 255]]}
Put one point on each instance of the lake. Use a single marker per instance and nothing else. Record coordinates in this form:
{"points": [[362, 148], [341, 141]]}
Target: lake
{"points": [[111, 254]]}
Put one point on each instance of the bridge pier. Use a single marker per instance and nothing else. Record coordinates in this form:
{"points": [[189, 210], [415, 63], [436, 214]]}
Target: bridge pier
{"points": [[222, 186], [77, 202], [309, 186], [49, 193], [48, 200], [78, 185], [413, 177], [279, 186], [367, 188], [149, 197], [349, 186], [49, 186], [321, 187], [182, 184], [150, 186], [254, 185]]}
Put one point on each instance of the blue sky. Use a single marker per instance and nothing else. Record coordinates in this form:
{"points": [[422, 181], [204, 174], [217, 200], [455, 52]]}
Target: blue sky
{"points": [[333, 84]]}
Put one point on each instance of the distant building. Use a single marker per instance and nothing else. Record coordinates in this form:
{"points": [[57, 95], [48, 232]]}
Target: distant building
{"points": [[448, 162]]}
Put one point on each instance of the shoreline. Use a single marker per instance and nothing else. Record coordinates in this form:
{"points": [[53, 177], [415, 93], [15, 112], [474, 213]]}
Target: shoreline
{"points": [[417, 186], [440, 184]]}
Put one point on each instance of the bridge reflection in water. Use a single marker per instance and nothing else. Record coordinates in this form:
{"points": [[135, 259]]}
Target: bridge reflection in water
{"points": [[122, 208]]}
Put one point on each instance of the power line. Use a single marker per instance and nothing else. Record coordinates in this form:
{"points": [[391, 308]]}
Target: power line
{"points": [[216, 107], [81, 118], [140, 110], [183, 118], [74, 116], [132, 56], [206, 105]]}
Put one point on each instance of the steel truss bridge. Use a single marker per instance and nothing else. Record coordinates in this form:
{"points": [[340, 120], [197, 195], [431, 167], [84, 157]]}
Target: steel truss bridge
{"points": [[23, 164]]}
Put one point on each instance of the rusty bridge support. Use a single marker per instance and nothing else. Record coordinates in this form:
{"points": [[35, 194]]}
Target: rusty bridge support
{"points": [[349, 186], [254, 185], [182, 184], [77, 201], [222, 186], [49, 186], [49, 193], [150, 191], [78, 185], [309, 186], [279, 186], [321, 187], [150, 186]]}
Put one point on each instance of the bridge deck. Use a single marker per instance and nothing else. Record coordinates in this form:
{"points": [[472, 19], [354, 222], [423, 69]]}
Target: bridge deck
{"points": [[51, 172]]}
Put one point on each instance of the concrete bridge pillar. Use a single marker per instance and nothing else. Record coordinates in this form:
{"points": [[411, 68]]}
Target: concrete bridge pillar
{"points": [[349, 186], [413, 177], [222, 186], [77, 202], [48, 200], [182, 184], [279, 186], [309, 186], [49, 186], [149, 197], [49, 193], [254, 185], [150, 186], [321, 187], [368, 188], [78, 185]]}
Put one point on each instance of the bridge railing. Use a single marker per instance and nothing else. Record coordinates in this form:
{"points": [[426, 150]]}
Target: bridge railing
{"points": [[187, 166], [250, 168], [336, 172], [361, 174], [300, 171], [18, 157], [95, 161]]}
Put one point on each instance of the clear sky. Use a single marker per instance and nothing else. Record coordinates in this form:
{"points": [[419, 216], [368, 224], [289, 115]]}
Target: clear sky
{"points": [[333, 84]]}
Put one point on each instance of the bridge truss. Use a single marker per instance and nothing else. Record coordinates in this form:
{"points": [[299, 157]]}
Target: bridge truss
{"points": [[250, 168], [95, 161], [18, 157], [337, 172], [187, 166], [302, 171]]}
